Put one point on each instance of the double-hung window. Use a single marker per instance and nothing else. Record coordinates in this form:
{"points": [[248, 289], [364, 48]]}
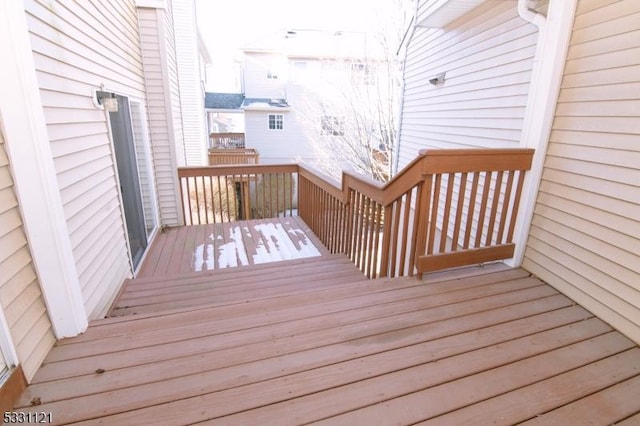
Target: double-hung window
{"points": [[276, 121]]}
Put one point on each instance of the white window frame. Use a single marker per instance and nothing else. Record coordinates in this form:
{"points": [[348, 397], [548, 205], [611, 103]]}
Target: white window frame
{"points": [[277, 122]]}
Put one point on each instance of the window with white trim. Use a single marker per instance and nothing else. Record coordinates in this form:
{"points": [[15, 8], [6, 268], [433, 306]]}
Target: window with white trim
{"points": [[276, 121]]}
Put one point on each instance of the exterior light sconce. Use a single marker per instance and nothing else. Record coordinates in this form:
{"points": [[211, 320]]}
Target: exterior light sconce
{"points": [[437, 80], [106, 100]]}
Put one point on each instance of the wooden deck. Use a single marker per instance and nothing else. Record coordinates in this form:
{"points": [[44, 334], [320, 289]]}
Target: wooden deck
{"points": [[312, 340], [210, 247]]}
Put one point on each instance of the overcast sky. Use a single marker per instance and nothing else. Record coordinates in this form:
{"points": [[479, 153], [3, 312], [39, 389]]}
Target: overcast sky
{"points": [[227, 25]]}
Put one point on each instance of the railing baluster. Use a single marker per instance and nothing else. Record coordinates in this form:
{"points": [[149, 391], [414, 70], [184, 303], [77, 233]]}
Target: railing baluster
{"points": [[483, 208], [386, 241], [505, 207], [434, 213], [447, 211], [471, 210], [516, 204], [198, 200], [459, 208], [405, 234], [494, 208]]}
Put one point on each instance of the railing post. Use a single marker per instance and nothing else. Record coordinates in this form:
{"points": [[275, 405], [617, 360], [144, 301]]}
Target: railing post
{"points": [[423, 204]]}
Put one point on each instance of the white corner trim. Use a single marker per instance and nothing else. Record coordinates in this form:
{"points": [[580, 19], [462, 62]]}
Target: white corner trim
{"points": [[163, 40], [548, 69], [27, 142], [7, 346]]}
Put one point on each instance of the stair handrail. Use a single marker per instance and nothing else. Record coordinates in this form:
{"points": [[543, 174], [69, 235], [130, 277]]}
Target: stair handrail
{"points": [[415, 193]]}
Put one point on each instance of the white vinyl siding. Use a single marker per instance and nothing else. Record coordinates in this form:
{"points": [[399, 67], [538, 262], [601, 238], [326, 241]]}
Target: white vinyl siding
{"points": [[20, 294], [191, 88], [257, 84], [285, 145], [487, 57], [163, 97], [585, 236], [77, 49]]}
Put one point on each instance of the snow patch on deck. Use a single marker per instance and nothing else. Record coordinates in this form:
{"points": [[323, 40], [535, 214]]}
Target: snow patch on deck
{"points": [[246, 243]]}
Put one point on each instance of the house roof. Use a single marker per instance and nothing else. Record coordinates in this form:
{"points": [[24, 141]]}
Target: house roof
{"points": [[265, 104], [225, 101], [305, 43]]}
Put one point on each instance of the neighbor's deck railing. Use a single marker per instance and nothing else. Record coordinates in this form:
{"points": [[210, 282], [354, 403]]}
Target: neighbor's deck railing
{"points": [[220, 156], [226, 140], [447, 208], [217, 194]]}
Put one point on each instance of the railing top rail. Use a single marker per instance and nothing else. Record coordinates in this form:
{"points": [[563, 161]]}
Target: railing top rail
{"points": [[475, 160], [236, 169], [430, 161], [228, 134], [233, 150]]}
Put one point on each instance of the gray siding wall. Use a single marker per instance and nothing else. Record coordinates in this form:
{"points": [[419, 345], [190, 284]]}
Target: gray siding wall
{"points": [[585, 237], [20, 294], [77, 48], [487, 56]]}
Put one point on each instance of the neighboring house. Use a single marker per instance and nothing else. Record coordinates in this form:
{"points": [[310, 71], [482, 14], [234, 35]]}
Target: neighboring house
{"points": [[91, 133], [291, 80], [224, 113], [563, 78]]}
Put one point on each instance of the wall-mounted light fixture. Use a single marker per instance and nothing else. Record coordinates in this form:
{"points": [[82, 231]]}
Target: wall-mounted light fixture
{"points": [[437, 80], [107, 100]]}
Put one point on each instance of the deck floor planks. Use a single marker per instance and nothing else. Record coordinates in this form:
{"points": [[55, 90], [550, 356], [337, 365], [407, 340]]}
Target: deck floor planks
{"points": [[184, 253], [247, 282], [332, 315], [160, 249], [211, 381], [586, 382], [318, 353], [387, 377], [174, 258], [229, 245], [301, 347], [231, 344], [348, 298], [456, 394], [633, 420]]}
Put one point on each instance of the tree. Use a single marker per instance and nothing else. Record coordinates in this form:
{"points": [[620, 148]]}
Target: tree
{"points": [[350, 113]]}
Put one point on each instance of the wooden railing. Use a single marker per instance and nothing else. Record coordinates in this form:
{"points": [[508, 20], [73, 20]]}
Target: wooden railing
{"points": [[219, 194], [447, 208], [225, 156], [226, 140]]}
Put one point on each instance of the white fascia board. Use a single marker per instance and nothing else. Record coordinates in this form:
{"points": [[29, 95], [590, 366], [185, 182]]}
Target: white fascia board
{"points": [[152, 4], [439, 13], [223, 110], [35, 180], [266, 108]]}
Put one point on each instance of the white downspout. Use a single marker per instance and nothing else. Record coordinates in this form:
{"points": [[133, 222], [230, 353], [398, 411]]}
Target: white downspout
{"points": [[548, 68], [530, 15]]}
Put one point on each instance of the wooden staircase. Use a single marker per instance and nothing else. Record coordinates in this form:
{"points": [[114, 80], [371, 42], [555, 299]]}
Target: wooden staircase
{"points": [[157, 296]]}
